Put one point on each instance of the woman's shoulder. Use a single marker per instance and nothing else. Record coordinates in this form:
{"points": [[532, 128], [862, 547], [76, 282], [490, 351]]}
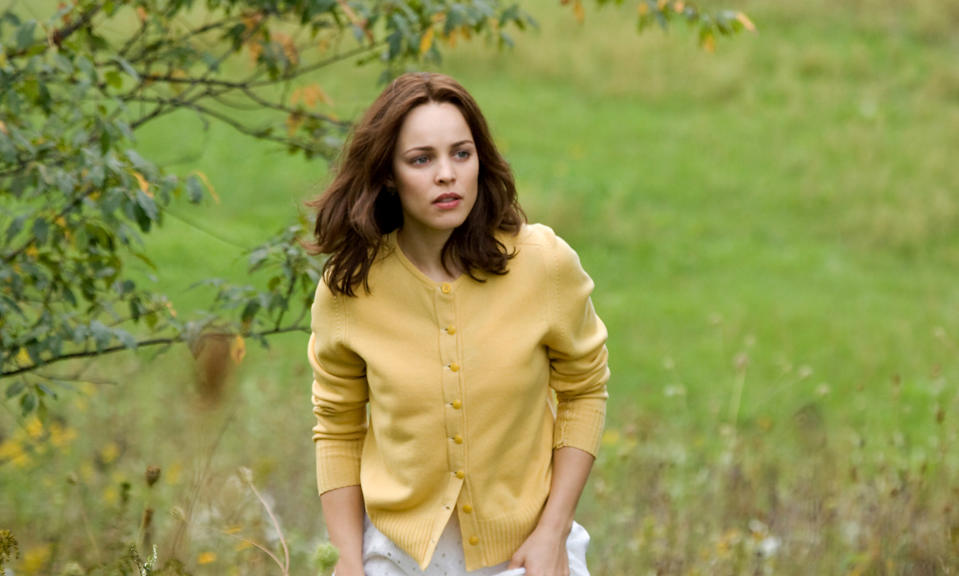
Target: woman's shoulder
{"points": [[541, 238]]}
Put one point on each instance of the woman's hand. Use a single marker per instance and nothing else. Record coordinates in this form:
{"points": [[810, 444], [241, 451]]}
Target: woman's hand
{"points": [[543, 554], [544, 551]]}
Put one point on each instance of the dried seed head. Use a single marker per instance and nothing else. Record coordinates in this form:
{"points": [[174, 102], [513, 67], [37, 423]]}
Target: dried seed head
{"points": [[245, 474], [152, 475]]}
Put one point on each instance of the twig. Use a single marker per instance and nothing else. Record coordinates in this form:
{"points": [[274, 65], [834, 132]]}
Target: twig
{"points": [[264, 549], [276, 524], [289, 292]]}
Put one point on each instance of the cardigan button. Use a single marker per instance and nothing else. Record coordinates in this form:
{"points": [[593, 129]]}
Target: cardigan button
{"points": [[460, 474], [474, 540], [445, 288], [454, 367], [456, 404], [458, 439], [451, 329], [467, 509]]}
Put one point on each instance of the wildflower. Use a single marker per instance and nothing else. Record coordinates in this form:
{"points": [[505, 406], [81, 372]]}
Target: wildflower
{"points": [[35, 559], [61, 437], [34, 428], [109, 453], [610, 437], [11, 450]]}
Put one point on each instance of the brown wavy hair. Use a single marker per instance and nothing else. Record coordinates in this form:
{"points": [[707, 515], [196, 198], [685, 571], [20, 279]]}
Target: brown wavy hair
{"points": [[358, 208]]}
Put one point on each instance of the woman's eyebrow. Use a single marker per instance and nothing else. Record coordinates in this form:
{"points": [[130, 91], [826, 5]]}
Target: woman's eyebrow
{"points": [[427, 148]]}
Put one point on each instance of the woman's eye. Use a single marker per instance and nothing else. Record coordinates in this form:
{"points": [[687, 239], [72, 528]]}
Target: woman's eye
{"points": [[420, 160], [463, 154]]}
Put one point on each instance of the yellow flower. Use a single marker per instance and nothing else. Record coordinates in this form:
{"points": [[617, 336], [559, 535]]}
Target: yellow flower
{"points": [[86, 472], [206, 558], [109, 453], [61, 437], [110, 496], [12, 451], [34, 428], [172, 474], [611, 437], [35, 559]]}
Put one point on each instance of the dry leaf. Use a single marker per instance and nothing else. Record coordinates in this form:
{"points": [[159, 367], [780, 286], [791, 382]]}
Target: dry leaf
{"points": [[144, 185], [238, 349], [209, 187], [579, 11], [426, 41], [745, 21]]}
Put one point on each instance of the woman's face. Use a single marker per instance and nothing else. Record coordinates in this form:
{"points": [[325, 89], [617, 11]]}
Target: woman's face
{"points": [[435, 169]]}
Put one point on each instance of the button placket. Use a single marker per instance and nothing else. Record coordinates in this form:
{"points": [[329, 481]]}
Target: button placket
{"points": [[451, 374]]}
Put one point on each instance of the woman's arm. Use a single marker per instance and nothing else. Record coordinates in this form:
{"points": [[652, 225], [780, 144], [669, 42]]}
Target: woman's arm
{"points": [[544, 552], [343, 512]]}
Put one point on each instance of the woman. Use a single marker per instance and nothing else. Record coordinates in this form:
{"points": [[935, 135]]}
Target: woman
{"points": [[441, 325]]}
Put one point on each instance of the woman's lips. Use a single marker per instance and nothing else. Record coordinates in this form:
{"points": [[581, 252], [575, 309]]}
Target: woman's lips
{"points": [[447, 201]]}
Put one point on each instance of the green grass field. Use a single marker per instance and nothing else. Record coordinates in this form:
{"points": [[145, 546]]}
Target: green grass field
{"points": [[774, 234]]}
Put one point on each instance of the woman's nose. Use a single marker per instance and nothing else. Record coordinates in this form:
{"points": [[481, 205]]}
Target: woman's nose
{"points": [[445, 172]]}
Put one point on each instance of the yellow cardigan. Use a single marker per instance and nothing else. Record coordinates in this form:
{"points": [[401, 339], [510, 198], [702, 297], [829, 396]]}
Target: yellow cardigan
{"points": [[457, 379]]}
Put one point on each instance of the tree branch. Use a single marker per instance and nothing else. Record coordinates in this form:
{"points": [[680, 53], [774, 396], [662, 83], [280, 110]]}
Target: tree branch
{"points": [[62, 34], [262, 134], [142, 344]]}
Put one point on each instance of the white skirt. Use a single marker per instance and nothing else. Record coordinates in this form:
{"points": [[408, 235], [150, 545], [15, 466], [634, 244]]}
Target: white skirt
{"points": [[381, 557]]}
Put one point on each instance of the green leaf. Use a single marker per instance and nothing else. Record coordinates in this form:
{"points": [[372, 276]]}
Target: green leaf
{"points": [[41, 230], [127, 67], [135, 308], [148, 204], [63, 63], [44, 390], [258, 256], [250, 310], [114, 79], [194, 189], [146, 260], [27, 403], [15, 227], [25, 34], [138, 161], [125, 338], [15, 388], [101, 335]]}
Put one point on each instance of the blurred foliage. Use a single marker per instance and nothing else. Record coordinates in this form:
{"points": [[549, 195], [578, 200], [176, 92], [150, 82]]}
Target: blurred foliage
{"points": [[76, 197], [9, 549]]}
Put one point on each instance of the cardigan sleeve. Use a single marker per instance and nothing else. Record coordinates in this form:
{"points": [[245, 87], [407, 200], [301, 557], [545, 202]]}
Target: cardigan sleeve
{"points": [[576, 342], [340, 395]]}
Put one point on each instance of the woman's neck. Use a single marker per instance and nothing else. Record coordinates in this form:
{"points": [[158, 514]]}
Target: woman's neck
{"points": [[425, 251]]}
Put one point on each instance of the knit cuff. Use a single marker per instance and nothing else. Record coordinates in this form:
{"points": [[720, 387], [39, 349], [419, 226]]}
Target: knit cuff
{"points": [[580, 424], [338, 464]]}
